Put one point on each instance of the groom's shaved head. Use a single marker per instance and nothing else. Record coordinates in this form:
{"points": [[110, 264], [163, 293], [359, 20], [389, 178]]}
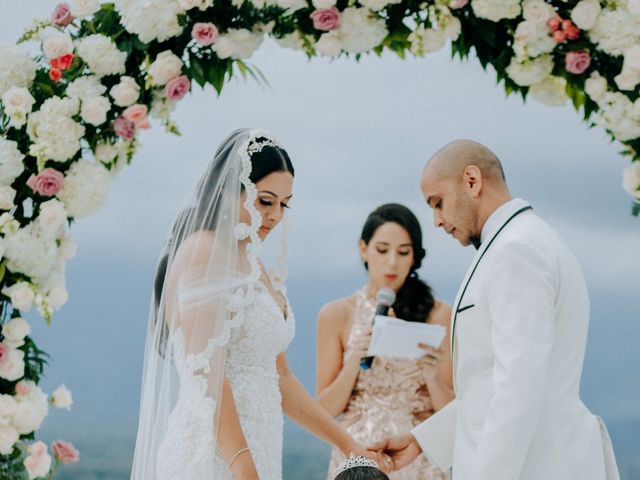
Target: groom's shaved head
{"points": [[450, 161]]}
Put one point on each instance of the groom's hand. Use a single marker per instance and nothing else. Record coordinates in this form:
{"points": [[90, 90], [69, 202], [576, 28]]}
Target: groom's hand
{"points": [[401, 450]]}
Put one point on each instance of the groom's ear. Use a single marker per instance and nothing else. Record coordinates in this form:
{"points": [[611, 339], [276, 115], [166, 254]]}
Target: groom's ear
{"points": [[472, 180]]}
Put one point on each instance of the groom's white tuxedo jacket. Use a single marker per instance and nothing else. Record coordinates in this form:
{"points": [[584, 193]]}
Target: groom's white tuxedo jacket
{"points": [[519, 330]]}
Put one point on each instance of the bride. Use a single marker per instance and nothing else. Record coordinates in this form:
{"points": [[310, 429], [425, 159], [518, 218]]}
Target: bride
{"points": [[216, 379]]}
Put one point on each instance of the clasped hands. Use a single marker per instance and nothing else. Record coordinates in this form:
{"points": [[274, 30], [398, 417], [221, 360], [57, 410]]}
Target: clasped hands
{"points": [[395, 452]]}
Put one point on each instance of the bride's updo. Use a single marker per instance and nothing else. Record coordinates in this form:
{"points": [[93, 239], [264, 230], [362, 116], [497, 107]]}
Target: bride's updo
{"points": [[414, 300]]}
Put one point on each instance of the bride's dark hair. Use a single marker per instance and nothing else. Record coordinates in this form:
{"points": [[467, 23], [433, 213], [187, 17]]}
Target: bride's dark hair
{"points": [[362, 473], [414, 300], [270, 159]]}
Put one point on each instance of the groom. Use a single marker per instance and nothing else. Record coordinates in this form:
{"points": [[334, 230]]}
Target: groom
{"points": [[518, 336]]}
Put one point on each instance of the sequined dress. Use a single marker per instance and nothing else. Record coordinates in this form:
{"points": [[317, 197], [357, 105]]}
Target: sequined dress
{"points": [[389, 398]]}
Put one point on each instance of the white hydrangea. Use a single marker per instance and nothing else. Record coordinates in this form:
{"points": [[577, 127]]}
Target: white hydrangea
{"points": [[7, 196], [11, 161], [126, 92], [17, 102], [30, 251], [52, 218], [329, 44], [12, 368], [615, 30], [21, 295], [8, 437], [84, 8], [627, 79], [17, 69], [15, 331], [237, 43], [618, 115], [551, 91], [101, 55], [532, 39], [426, 40], [530, 72], [94, 110], [290, 5], [200, 4], [632, 58], [31, 410], [595, 86], [585, 14], [360, 30], [496, 10], [631, 180], [86, 87], [294, 41], [8, 225], [55, 135], [57, 44], [152, 19], [85, 188]]}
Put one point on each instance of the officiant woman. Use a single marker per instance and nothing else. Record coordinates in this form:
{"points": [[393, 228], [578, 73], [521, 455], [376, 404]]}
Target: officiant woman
{"points": [[394, 394]]}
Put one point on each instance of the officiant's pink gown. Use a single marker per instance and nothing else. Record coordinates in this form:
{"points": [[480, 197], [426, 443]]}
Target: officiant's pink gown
{"points": [[389, 398]]}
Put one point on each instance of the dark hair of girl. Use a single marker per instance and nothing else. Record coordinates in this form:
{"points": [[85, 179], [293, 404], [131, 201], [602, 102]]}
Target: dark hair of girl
{"points": [[414, 300], [362, 473]]}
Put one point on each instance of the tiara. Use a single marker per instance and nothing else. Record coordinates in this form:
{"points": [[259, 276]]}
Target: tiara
{"points": [[353, 462], [255, 147]]}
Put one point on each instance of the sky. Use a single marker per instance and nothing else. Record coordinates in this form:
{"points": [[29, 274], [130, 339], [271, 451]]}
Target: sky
{"points": [[359, 134]]}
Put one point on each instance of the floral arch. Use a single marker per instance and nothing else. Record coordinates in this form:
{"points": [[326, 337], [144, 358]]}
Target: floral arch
{"points": [[69, 118]]}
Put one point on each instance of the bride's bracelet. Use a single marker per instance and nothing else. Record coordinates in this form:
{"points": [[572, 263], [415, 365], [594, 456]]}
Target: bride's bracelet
{"points": [[237, 454]]}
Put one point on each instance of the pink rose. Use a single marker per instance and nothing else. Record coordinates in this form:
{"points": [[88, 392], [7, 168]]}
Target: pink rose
{"points": [[555, 23], [326, 19], [204, 33], [124, 128], [4, 353], [456, 4], [61, 16], [577, 61], [137, 113], [177, 88], [64, 452], [38, 463], [47, 183], [570, 30], [22, 388], [559, 36]]}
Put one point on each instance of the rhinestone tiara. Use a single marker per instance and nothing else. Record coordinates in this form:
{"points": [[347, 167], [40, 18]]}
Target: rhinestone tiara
{"points": [[255, 147], [353, 462]]}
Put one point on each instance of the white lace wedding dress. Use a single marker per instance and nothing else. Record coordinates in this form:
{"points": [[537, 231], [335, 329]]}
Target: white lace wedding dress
{"points": [[259, 333]]}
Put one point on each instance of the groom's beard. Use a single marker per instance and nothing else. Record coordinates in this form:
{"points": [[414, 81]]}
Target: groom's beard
{"points": [[475, 241]]}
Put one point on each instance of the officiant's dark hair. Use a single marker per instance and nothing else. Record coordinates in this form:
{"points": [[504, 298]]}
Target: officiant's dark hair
{"points": [[362, 473], [414, 300]]}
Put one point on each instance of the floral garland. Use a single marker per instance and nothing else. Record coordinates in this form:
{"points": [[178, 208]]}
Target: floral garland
{"points": [[70, 115]]}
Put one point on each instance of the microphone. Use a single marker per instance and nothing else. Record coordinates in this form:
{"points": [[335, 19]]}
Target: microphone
{"points": [[385, 298]]}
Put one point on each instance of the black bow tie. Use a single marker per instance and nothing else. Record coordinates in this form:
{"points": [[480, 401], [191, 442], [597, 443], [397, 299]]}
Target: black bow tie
{"points": [[475, 241]]}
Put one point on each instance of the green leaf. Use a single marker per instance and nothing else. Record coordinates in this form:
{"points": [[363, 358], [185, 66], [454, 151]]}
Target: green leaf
{"points": [[197, 70]]}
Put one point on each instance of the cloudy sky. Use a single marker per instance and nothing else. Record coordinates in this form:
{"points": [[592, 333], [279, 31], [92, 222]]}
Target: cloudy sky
{"points": [[359, 134]]}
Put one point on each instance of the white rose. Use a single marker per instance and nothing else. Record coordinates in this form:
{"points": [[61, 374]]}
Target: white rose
{"points": [[17, 68], [615, 30], [21, 295], [294, 41], [632, 58], [7, 196], [8, 407], [631, 180], [585, 14], [58, 296], [188, 4], [595, 86], [496, 10], [52, 217], [12, 368], [38, 462], [627, 79], [453, 29], [166, 67], [360, 30], [530, 72], [67, 247], [57, 44], [31, 411], [551, 91], [86, 87], [329, 44], [237, 43], [537, 11], [323, 4], [101, 55], [94, 110], [84, 8], [8, 225], [61, 398], [105, 152], [377, 5], [126, 92], [11, 161], [18, 103], [8, 438], [15, 331]]}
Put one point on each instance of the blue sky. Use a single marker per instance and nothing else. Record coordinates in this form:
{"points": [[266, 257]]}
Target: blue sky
{"points": [[359, 134]]}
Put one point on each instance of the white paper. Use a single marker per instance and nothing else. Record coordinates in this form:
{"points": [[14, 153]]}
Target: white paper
{"points": [[392, 337]]}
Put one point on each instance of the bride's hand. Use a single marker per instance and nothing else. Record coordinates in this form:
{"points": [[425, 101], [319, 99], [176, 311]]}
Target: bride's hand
{"points": [[383, 460]]}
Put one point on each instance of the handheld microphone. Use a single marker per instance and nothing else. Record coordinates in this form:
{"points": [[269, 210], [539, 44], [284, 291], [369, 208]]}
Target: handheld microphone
{"points": [[385, 298]]}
